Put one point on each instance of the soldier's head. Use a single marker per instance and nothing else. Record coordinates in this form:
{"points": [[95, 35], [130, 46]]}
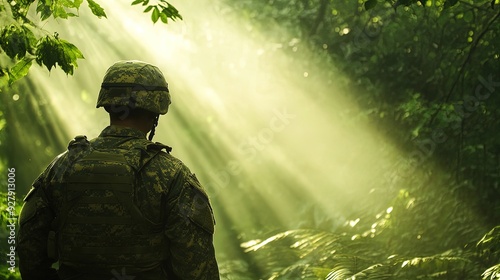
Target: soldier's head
{"points": [[134, 93]]}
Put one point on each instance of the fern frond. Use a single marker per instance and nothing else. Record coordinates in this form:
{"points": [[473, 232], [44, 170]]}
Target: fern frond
{"points": [[374, 272], [489, 245], [434, 267], [492, 273], [339, 273]]}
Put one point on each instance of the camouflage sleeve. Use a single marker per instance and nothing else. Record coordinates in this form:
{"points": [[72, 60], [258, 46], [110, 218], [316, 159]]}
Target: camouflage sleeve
{"points": [[190, 229], [34, 225]]}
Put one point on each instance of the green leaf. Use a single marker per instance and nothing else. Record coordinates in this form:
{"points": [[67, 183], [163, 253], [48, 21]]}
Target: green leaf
{"points": [[20, 69], [43, 9], [137, 2], [164, 17], [155, 15], [172, 13], [148, 9], [64, 3], [14, 41], [369, 4], [45, 54], [30, 37], [492, 272], [69, 56], [77, 4], [52, 51], [59, 11], [19, 9], [175, 13], [96, 9]]}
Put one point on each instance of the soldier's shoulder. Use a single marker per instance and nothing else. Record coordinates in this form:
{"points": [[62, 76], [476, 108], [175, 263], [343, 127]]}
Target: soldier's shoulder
{"points": [[167, 159], [52, 170], [163, 171]]}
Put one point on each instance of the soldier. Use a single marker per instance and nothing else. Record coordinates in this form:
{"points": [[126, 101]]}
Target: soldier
{"points": [[119, 206]]}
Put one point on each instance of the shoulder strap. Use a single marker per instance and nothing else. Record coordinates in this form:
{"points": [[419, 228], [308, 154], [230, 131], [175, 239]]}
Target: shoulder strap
{"points": [[149, 150]]}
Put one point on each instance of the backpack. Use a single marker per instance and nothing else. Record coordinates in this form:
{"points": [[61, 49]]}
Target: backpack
{"points": [[99, 226]]}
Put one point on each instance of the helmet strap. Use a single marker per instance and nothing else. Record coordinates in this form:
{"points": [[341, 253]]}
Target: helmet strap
{"points": [[152, 133]]}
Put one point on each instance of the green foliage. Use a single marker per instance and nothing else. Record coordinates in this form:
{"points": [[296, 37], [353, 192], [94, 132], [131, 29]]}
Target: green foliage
{"points": [[22, 45], [6, 275], [96, 9], [450, 3], [353, 253], [20, 69], [370, 4], [19, 9], [16, 40], [425, 74], [50, 50], [162, 11], [448, 265], [492, 273], [57, 9], [489, 246]]}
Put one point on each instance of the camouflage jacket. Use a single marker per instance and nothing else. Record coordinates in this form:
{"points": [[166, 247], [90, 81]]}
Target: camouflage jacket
{"points": [[168, 194]]}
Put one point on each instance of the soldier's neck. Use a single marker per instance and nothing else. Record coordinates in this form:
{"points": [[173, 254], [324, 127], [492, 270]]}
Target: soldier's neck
{"points": [[141, 125]]}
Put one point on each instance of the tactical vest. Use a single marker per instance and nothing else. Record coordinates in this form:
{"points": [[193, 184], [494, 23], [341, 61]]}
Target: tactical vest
{"points": [[99, 226]]}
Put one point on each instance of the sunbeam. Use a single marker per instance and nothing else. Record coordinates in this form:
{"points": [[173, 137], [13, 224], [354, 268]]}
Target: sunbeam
{"points": [[271, 136]]}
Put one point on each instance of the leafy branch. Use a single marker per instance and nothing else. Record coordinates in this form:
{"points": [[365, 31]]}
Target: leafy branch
{"points": [[162, 11], [370, 4], [51, 50], [19, 43]]}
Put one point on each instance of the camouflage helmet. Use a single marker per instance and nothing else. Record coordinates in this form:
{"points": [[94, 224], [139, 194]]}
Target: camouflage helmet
{"points": [[135, 84]]}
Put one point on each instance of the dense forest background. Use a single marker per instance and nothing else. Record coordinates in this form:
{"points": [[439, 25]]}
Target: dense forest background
{"points": [[429, 78], [426, 75]]}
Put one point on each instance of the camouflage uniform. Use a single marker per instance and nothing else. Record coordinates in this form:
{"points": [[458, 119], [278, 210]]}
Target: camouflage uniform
{"points": [[117, 207], [168, 194]]}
